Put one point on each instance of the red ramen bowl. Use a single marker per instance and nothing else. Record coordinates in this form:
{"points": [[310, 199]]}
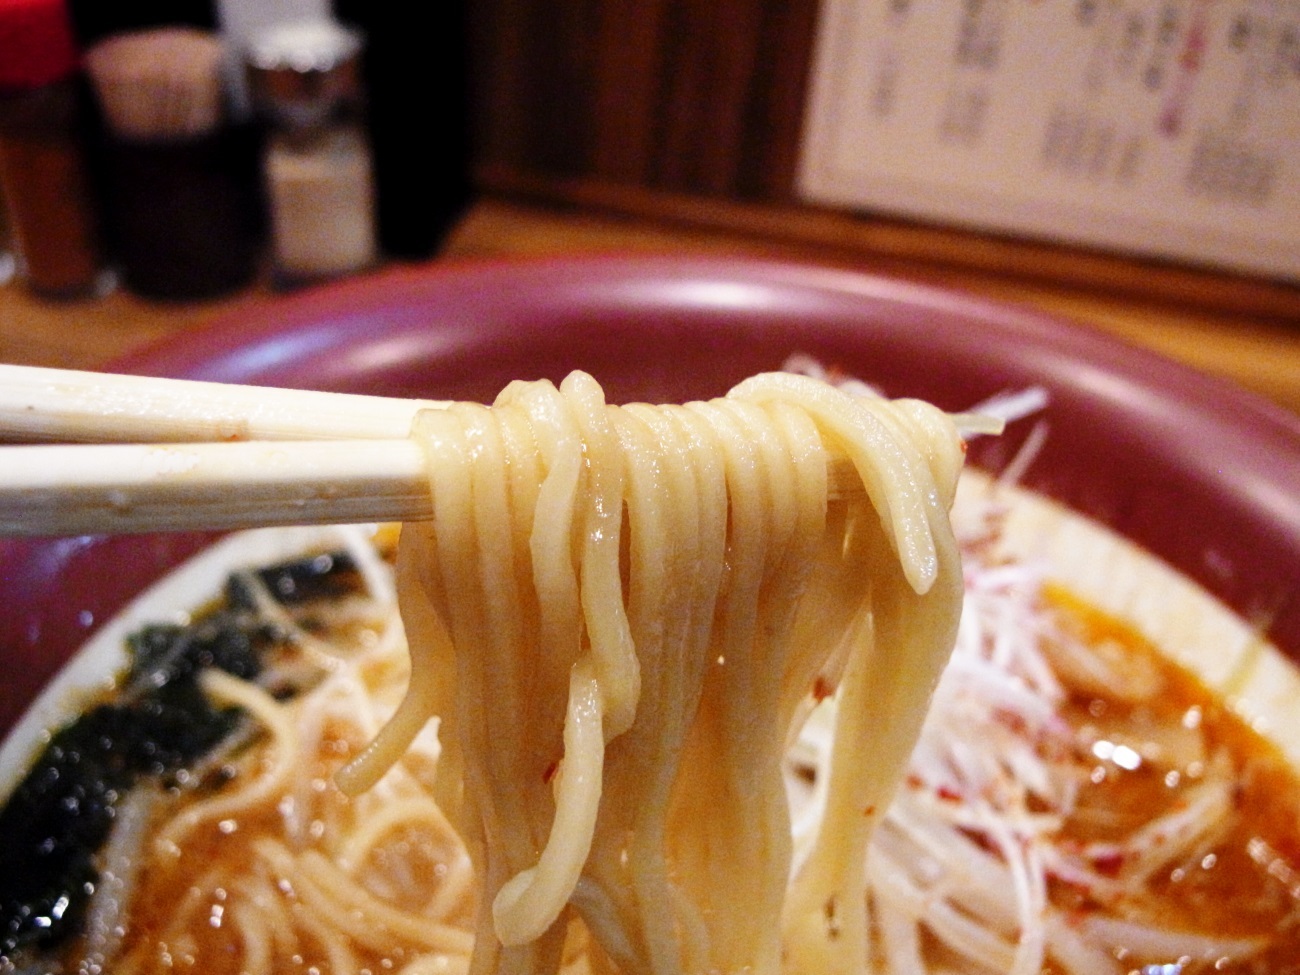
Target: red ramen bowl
{"points": [[1197, 471]]}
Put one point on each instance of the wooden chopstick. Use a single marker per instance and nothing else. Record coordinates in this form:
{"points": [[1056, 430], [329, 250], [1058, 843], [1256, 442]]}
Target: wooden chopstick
{"points": [[91, 489], [147, 455], [156, 454], [132, 488], [68, 406]]}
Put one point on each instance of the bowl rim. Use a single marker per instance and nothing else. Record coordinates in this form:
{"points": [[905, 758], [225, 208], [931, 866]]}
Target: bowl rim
{"points": [[1259, 440]]}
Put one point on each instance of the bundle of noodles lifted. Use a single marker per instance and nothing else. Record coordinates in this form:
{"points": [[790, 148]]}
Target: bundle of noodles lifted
{"points": [[621, 615]]}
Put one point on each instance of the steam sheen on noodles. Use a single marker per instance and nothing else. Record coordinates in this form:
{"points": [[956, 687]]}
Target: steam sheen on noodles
{"points": [[620, 616]]}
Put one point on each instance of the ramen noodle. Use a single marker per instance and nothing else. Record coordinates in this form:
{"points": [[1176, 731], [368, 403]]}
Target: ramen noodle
{"points": [[617, 614], [619, 774]]}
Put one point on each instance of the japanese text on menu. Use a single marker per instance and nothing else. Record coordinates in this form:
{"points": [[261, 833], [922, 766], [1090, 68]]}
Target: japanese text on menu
{"points": [[1169, 128]]}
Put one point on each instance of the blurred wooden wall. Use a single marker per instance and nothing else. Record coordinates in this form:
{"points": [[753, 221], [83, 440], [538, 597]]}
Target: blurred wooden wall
{"points": [[686, 96]]}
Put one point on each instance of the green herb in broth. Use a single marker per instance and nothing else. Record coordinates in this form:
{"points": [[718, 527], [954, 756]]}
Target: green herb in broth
{"points": [[154, 730]]}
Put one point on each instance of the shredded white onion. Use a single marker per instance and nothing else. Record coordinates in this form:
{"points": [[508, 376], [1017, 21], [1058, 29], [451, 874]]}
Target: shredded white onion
{"points": [[959, 872]]}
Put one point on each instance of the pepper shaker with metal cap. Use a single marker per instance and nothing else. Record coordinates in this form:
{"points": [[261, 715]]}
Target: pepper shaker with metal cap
{"points": [[305, 79]]}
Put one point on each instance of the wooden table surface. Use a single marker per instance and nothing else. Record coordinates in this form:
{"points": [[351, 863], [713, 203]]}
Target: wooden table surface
{"points": [[1260, 351]]}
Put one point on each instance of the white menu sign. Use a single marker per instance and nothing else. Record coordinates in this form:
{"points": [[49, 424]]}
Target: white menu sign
{"points": [[1166, 128]]}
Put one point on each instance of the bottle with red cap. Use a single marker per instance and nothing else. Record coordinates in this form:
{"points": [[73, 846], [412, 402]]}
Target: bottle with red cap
{"points": [[44, 172]]}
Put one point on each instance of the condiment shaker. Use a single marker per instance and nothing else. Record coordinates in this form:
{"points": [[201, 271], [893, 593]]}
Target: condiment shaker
{"points": [[304, 78], [45, 172]]}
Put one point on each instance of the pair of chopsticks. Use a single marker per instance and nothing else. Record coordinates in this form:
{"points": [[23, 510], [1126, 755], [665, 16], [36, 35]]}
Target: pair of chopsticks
{"points": [[104, 453]]}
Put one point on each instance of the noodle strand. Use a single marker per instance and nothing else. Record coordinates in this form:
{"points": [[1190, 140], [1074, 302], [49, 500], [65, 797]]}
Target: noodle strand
{"points": [[632, 605]]}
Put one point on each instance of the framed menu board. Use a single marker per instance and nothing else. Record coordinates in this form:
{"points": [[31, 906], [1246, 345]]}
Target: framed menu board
{"points": [[1160, 128]]}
